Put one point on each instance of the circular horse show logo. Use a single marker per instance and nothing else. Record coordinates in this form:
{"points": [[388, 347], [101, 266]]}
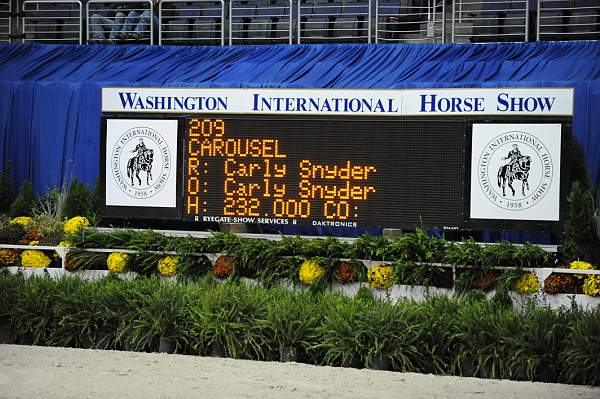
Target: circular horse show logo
{"points": [[141, 162], [515, 170]]}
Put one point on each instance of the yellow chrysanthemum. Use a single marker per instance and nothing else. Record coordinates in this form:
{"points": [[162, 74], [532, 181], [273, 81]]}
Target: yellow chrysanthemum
{"points": [[591, 286], [581, 265], [167, 266], [33, 243], [22, 220], [310, 272], [381, 276], [527, 284], [117, 262], [34, 258], [75, 224]]}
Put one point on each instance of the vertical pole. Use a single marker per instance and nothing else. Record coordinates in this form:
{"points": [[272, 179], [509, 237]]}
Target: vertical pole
{"points": [[453, 22], [526, 20], [539, 13], [376, 21]]}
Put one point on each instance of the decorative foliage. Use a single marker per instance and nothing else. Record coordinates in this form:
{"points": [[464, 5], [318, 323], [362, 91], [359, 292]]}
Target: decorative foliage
{"points": [[117, 262], [591, 286], [8, 256], [167, 266], [344, 272], [224, 266], [76, 224], [34, 258], [310, 272], [527, 284], [581, 265], [381, 276]]}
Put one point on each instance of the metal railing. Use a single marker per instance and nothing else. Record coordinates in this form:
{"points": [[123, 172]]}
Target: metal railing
{"points": [[306, 21], [325, 21], [52, 21], [5, 21], [479, 21], [410, 21], [260, 22], [568, 20], [192, 22], [127, 21]]}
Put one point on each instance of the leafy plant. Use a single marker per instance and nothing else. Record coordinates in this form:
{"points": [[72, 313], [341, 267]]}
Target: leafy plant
{"points": [[290, 324], [86, 260], [159, 314], [582, 345], [529, 255], [500, 254], [417, 247], [484, 339], [222, 322], [340, 337], [367, 247], [537, 353], [76, 311], [31, 313]]}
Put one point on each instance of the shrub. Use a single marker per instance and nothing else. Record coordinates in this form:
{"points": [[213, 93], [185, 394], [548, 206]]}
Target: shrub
{"points": [[77, 201], [24, 204], [6, 192], [581, 233], [96, 199]]}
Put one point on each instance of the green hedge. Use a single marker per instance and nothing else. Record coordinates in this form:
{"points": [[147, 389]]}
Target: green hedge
{"points": [[467, 336]]}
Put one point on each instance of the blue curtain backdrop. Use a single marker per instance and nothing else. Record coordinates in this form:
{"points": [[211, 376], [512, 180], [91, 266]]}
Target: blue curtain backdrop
{"points": [[50, 94]]}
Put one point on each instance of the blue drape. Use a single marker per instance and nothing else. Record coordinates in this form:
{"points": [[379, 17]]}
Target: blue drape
{"points": [[50, 94]]}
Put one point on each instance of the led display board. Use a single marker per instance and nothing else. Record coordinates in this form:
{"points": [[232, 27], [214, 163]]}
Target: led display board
{"points": [[331, 172]]}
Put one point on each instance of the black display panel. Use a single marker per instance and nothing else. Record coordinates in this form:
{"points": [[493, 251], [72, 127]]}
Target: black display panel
{"points": [[325, 171]]}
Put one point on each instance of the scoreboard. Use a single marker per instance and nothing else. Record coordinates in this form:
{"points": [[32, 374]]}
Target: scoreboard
{"points": [[376, 170], [338, 172]]}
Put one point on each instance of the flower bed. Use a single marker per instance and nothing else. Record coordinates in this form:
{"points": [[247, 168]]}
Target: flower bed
{"points": [[415, 260]]}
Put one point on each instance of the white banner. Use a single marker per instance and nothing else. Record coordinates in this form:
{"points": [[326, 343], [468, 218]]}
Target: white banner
{"points": [[418, 102], [141, 163], [515, 171]]}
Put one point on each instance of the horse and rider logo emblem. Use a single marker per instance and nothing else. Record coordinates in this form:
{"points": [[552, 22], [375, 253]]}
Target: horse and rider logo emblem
{"points": [[515, 170], [141, 162]]}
